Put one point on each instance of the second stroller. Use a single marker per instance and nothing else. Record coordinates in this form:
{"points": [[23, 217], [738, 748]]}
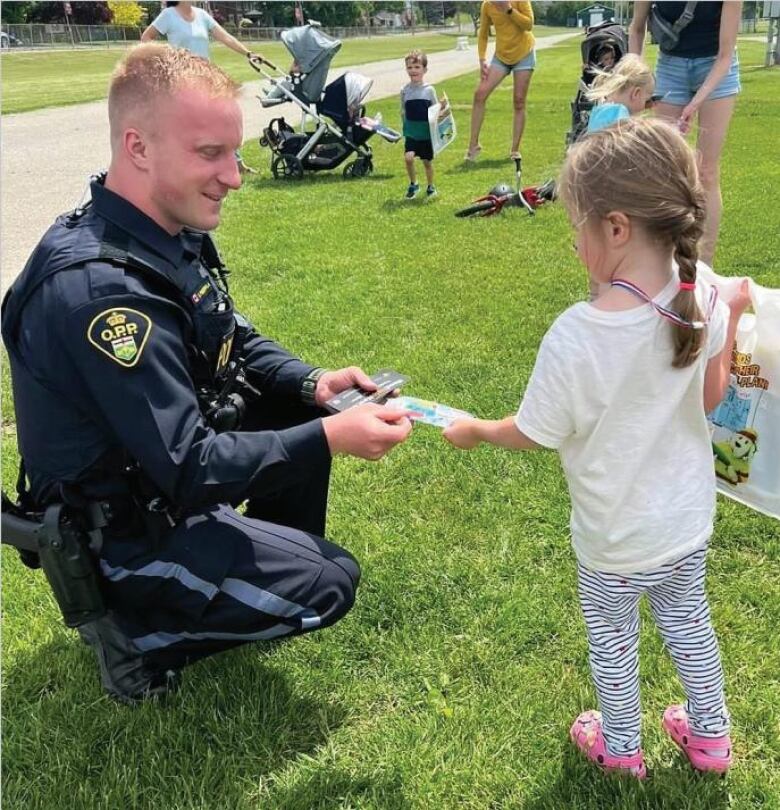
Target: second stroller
{"points": [[336, 111], [603, 47]]}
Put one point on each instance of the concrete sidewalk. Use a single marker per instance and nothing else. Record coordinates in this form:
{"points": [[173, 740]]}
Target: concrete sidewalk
{"points": [[48, 155]]}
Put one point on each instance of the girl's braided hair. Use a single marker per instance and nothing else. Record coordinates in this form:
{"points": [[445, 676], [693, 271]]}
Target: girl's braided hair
{"points": [[644, 168]]}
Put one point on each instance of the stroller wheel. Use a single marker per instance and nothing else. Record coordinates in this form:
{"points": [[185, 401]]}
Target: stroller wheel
{"points": [[264, 142], [287, 167], [361, 167]]}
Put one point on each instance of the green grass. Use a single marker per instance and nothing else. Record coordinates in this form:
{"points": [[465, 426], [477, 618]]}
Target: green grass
{"points": [[31, 80], [35, 79], [454, 680]]}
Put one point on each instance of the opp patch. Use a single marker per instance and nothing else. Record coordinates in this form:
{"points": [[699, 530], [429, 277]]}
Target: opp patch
{"points": [[121, 334]]}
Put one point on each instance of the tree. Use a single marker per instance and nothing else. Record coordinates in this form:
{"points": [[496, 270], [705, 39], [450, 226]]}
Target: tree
{"points": [[561, 13], [129, 14], [16, 12]]}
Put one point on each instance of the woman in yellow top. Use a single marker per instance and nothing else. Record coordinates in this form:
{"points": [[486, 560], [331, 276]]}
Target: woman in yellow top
{"points": [[514, 54]]}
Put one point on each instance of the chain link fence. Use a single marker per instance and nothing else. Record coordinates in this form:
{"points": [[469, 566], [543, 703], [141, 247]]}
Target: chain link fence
{"points": [[60, 35]]}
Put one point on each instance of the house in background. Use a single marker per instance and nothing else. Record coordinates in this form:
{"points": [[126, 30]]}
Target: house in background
{"points": [[594, 15]]}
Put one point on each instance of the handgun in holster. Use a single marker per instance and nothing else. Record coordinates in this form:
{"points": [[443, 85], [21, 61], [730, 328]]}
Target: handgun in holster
{"points": [[57, 542]]}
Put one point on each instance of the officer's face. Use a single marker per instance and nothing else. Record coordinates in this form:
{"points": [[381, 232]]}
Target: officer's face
{"points": [[192, 163]]}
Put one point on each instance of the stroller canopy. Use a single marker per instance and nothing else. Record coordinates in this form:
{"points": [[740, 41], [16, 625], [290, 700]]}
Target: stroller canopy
{"points": [[313, 50], [596, 37], [343, 97]]}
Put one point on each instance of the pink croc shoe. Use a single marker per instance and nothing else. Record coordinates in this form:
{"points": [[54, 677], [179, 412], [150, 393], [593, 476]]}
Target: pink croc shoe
{"points": [[675, 724], [586, 734]]}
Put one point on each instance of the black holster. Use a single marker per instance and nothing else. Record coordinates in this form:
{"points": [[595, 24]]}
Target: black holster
{"points": [[57, 543]]}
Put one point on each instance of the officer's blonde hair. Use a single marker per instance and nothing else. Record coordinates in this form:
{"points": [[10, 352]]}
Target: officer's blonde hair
{"points": [[151, 71], [644, 168]]}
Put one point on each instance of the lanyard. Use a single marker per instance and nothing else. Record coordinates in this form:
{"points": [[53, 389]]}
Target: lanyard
{"points": [[665, 312]]}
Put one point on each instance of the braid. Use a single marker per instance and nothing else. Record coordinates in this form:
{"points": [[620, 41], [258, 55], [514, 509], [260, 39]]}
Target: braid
{"points": [[688, 342]]}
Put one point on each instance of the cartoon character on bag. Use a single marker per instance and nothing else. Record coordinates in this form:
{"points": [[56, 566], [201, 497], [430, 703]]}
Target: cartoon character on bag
{"points": [[733, 457]]}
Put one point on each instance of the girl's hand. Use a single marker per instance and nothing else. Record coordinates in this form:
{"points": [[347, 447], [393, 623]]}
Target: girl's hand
{"points": [[685, 120], [462, 433], [741, 300], [484, 68]]}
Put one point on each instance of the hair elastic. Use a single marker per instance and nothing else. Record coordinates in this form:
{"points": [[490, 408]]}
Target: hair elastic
{"points": [[670, 314], [686, 285]]}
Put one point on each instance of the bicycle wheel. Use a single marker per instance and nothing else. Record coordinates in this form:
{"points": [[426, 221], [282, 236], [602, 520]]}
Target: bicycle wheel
{"points": [[481, 207]]}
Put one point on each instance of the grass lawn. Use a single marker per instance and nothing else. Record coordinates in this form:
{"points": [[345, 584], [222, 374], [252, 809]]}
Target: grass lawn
{"points": [[453, 682], [35, 79], [32, 80]]}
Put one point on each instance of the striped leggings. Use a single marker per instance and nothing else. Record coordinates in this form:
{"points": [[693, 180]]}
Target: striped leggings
{"points": [[610, 604]]}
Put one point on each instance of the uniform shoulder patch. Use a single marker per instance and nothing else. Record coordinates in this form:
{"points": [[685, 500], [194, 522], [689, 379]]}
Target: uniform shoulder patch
{"points": [[121, 334]]}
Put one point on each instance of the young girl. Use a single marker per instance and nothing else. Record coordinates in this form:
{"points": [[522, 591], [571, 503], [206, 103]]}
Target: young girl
{"points": [[624, 91], [620, 388]]}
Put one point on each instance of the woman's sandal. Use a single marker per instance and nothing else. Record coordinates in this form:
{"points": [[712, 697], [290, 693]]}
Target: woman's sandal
{"points": [[586, 734], [697, 749], [472, 154]]}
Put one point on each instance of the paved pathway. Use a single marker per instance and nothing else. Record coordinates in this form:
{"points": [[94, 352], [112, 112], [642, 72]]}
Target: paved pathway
{"points": [[48, 155]]}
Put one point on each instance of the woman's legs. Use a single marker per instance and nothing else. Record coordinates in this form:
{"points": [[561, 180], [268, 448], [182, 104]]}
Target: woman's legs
{"points": [[485, 88], [714, 120], [522, 81]]}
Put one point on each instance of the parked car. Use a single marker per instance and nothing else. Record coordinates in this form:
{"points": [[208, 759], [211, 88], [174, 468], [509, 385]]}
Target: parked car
{"points": [[9, 40]]}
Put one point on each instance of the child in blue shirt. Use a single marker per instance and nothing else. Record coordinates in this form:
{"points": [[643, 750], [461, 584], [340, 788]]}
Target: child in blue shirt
{"points": [[624, 91]]}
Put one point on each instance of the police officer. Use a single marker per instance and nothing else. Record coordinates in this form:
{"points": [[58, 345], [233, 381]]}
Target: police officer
{"points": [[131, 373]]}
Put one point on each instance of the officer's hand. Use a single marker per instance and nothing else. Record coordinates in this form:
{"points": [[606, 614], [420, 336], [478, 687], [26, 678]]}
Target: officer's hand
{"points": [[334, 382], [366, 431]]}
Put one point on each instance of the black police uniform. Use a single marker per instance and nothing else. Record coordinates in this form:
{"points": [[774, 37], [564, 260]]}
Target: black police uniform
{"points": [[119, 335]]}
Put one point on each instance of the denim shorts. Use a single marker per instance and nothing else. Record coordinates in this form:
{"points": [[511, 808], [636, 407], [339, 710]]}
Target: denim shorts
{"points": [[526, 63], [678, 79]]}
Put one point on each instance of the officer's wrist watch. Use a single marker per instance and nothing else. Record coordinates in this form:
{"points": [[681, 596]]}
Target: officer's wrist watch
{"points": [[309, 385]]}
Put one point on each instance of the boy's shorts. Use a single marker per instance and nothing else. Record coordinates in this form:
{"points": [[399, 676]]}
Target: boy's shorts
{"points": [[422, 149], [526, 63], [677, 79]]}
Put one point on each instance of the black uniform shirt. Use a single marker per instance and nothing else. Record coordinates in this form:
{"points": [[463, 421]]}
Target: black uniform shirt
{"points": [[101, 367]]}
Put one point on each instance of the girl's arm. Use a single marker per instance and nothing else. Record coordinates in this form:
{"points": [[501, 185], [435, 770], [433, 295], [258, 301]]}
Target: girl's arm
{"points": [[718, 373], [468, 433], [638, 27], [729, 26]]}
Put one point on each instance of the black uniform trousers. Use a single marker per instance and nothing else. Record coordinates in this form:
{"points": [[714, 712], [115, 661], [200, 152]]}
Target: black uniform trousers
{"points": [[221, 578]]}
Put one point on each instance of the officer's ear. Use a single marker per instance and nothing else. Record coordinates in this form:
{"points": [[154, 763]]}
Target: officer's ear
{"points": [[135, 146]]}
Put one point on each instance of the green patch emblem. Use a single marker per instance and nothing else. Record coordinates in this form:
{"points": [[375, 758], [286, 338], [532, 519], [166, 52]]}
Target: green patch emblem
{"points": [[121, 334]]}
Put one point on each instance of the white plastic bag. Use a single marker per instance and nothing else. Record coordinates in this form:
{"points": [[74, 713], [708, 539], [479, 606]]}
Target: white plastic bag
{"points": [[746, 425], [442, 124]]}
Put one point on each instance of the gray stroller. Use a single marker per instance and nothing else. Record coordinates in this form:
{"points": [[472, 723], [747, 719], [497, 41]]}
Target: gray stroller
{"points": [[341, 128]]}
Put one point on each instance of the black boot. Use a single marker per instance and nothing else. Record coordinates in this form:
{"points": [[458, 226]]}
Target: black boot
{"points": [[124, 673]]}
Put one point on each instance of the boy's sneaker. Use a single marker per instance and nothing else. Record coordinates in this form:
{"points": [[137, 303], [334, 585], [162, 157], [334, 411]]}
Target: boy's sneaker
{"points": [[431, 192], [412, 191]]}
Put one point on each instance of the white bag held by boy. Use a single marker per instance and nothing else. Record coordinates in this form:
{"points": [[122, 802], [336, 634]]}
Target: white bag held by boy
{"points": [[442, 124], [746, 425]]}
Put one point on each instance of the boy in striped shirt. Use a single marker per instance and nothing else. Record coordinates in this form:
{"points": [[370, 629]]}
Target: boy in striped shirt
{"points": [[416, 97]]}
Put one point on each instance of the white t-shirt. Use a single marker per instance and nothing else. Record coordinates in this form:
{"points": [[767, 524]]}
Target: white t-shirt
{"points": [[630, 429], [194, 36]]}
